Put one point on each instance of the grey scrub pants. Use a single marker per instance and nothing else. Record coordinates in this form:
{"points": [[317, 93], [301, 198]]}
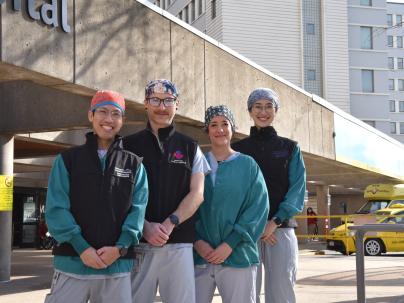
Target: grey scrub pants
{"points": [[235, 285], [67, 288], [280, 263], [170, 268]]}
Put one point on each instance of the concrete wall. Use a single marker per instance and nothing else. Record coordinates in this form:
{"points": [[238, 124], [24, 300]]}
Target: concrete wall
{"points": [[121, 45], [353, 203]]}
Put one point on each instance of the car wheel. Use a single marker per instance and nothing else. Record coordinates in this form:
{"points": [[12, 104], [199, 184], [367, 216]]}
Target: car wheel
{"points": [[373, 247]]}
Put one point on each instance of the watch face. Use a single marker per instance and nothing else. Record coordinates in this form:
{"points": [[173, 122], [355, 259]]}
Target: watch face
{"points": [[123, 251], [174, 220], [277, 221]]}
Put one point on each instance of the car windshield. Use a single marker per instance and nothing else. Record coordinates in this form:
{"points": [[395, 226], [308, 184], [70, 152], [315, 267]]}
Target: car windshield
{"points": [[396, 204], [372, 206], [394, 218]]}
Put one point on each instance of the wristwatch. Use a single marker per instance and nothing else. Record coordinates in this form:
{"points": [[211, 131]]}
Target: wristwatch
{"points": [[122, 250], [277, 221], [174, 220]]}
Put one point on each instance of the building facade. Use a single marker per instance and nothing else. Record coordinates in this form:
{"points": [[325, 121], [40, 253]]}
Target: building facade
{"points": [[347, 52], [395, 34]]}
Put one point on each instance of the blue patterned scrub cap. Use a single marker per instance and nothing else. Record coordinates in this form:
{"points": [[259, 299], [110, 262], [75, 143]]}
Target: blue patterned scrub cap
{"points": [[219, 110], [163, 86], [263, 93]]}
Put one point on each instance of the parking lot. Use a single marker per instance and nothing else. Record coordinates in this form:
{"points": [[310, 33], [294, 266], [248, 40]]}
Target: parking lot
{"points": [[321, 278]]}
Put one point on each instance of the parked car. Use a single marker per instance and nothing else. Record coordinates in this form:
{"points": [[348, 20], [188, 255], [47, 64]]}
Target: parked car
{"points": [[342, 239]]}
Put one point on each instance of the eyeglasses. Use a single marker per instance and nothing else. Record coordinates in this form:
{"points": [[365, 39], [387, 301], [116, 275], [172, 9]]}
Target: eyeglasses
{"points": [[168, 102], [104, 113], [259, 108]]}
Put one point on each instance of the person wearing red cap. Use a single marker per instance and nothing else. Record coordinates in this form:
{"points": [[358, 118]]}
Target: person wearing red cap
{"points": [[95, 207]]}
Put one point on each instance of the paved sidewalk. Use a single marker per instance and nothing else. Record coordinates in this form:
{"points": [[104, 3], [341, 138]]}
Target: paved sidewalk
{"points": [[321, 278]]}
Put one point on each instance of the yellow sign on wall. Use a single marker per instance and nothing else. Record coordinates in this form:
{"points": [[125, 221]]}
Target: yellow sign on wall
{"points": [[6, 193]]}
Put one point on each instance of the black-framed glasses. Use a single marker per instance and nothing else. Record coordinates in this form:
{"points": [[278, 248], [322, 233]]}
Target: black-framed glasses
{"points": [[104, 113], [168, 102]]}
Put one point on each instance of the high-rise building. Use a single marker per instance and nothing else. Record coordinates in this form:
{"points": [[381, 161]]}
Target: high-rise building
{"points": [[350, 52], [395, 34]]}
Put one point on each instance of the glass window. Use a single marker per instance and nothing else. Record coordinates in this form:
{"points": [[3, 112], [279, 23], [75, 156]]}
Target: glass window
{"points": [[213, 9], [389, 20], [180, 15], [185, 14], [390, 41], [391, 84], [399, 42], [310, 29], [366, 2], [400, 84], [399, 20], [401, 106], [400, 63], [393, 128], [311, 74], [371, 123], [366, 37], [192, 11], [367, 81], [390, 62], [392, 106], [200, 7], [401, 128], [30, 210]]}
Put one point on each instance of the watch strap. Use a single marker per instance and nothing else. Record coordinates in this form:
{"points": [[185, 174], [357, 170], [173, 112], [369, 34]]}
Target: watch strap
{"points": [[277, 221]]}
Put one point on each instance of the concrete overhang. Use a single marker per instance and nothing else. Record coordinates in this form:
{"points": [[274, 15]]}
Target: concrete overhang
{"points": [[47, 78]]}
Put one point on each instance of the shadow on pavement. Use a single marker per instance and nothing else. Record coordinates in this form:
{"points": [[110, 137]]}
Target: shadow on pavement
{"points": [[399, 299], [390, 276], [30, 270]]}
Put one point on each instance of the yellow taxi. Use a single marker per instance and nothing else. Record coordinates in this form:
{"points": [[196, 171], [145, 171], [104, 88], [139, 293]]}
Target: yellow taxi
{"points": [[343, 240]]}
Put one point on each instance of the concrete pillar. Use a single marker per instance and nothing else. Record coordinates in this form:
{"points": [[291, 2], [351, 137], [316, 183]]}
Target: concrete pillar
{"points": [[6, 186], [323, 208]]}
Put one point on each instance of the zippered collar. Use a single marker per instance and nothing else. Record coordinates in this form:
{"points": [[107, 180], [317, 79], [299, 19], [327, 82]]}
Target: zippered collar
{"points": [[163, 133], [263, 133], [92, 142]]}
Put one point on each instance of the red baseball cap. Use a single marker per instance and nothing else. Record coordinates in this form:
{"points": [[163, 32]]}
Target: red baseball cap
{"points": [[107, 97]]}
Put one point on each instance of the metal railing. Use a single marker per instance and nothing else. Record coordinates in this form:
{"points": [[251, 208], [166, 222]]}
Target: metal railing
{"points": [[361, 230]]}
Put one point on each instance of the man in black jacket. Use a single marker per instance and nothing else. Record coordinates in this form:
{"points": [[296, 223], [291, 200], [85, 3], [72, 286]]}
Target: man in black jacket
{"points": [[175, 168], [95, 208], [282, 165]]}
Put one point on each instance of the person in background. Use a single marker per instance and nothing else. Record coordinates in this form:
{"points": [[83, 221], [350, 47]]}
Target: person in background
{"points": [[42, 230], [312, 227]]}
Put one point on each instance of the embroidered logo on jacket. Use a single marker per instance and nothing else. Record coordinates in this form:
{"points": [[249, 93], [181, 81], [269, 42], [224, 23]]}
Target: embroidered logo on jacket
{"points": [[280, 153], [123, 173], [177, 157]]}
